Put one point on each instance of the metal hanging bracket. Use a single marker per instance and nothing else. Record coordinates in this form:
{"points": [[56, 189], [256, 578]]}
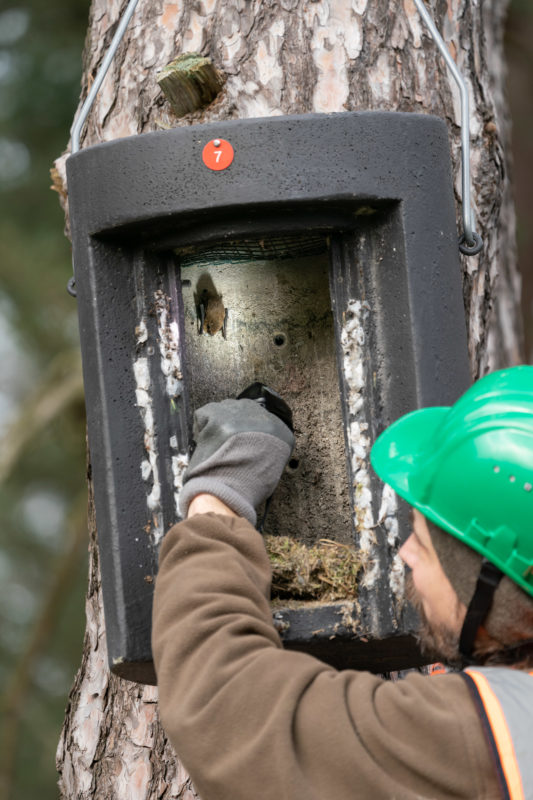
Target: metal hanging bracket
{"points": [[100, 75], [89, 100], [470, 243]]}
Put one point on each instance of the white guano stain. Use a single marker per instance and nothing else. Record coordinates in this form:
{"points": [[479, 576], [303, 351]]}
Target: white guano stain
{"points": [[169, 349], [150, 464], [141, 333], [387, 514], [353, 341], [180, 462], [169, 342], [388, 518], [397, 578]]}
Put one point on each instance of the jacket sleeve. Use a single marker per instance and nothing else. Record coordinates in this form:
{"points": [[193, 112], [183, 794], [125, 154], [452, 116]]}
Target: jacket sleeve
{"points": [[251, 720]]}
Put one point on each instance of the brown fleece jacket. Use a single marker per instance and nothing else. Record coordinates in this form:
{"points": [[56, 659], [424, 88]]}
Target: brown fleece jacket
{"points": [[251, 721]]}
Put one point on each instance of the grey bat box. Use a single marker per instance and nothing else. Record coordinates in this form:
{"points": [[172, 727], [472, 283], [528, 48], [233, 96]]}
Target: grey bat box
{"points": [[322, 261]]}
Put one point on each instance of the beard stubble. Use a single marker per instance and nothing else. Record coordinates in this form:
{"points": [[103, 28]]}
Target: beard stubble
{"points": [[436, 641]]}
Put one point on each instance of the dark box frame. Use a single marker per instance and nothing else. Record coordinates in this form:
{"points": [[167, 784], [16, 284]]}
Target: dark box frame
{"points": [[133, 200]]}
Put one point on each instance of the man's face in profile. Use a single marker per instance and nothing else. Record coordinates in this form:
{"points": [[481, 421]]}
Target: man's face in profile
{"points": [[432, 595]]}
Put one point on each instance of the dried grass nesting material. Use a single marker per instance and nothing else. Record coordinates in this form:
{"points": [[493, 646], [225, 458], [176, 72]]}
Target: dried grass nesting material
{"points": [[326, 571]]}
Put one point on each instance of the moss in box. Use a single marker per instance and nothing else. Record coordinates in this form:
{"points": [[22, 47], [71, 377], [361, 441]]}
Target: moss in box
{"points": [[326, 571]]}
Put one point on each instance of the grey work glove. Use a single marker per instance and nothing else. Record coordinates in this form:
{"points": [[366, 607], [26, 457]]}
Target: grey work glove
{"points": [[241, 451]]}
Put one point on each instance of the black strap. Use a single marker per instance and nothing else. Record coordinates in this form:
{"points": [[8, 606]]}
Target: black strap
{"points": [[489, 577]]}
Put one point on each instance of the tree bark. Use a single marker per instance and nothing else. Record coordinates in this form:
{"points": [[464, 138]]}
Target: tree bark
{"points": [[290, 57]]}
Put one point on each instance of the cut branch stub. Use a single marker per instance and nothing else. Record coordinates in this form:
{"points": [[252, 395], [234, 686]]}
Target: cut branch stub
{"points": [[190, 82]]}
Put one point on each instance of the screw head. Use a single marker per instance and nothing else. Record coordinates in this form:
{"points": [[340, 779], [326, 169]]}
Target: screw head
{"points": [[216, 142]]}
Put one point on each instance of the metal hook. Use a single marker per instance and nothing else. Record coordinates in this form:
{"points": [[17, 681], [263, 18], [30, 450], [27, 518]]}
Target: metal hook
{"points": [[471, 242], [71, 287]]}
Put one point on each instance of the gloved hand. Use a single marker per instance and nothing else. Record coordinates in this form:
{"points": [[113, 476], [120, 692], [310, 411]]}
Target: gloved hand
{"points": [[241, 451]]}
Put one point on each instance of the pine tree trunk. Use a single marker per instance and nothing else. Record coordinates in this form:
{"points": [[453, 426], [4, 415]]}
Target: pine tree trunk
{"points": [[286, 58]]}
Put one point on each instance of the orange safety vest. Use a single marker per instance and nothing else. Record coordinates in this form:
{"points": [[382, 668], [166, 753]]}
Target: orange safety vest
{"points": [[504, 699]]}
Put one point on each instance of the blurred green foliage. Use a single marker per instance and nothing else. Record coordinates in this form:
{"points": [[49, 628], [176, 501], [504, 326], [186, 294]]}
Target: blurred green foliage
{"points": [[43, 498]]}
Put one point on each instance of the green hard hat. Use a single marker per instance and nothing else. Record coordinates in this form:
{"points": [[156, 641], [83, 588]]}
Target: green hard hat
{"points": [[469, 468]]}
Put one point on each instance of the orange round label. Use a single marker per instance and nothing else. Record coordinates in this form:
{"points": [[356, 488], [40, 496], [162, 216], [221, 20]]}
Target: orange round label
{"points": [[217, 154]]}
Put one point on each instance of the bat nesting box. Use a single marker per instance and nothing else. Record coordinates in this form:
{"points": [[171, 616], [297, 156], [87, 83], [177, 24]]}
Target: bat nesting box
{"points": [[317, 254]]}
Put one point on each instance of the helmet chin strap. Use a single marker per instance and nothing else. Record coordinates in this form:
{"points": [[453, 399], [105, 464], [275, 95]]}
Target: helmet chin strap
{"points": [[488, 579]]}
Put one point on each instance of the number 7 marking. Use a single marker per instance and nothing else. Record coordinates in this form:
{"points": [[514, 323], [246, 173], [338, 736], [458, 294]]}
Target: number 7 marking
{"points": [[217, 154]]}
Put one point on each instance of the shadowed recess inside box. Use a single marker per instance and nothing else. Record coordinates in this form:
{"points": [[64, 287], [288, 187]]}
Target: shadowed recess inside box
{"points": [[261, 310]]}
